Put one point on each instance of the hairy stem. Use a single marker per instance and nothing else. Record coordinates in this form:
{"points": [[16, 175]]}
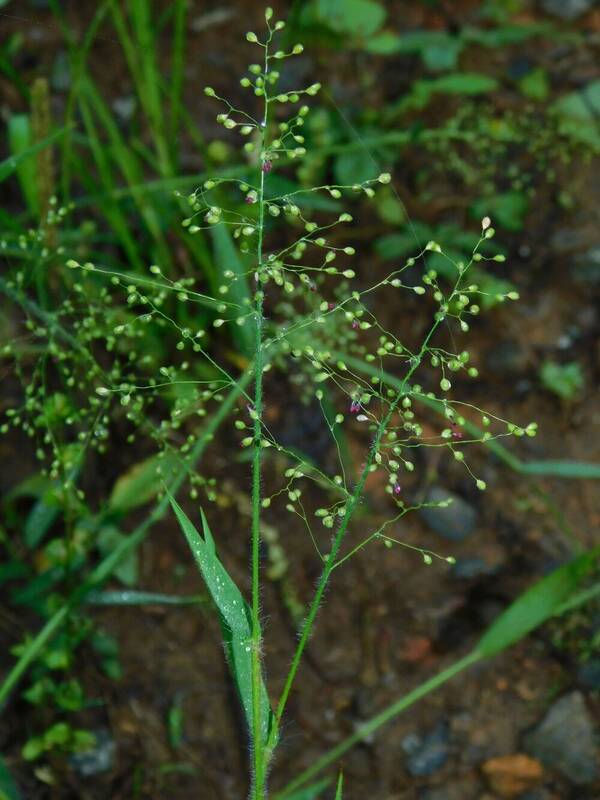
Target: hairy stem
{"points": [[259, 766]]}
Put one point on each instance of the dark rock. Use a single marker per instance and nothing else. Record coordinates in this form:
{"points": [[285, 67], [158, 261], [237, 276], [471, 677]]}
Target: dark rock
{"points": [[564, 740], [426, 754], [99, 759], [567, 9], [467, 788], [468, 568], [303, 428], [60, 77], [519, 67], [124, 107], [507, 356], [589, 673], [538, 794], [586, 266], [454, 522]]}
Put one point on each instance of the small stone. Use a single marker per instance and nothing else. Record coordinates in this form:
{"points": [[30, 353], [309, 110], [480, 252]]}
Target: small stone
{"points": [[507, 356], [454, 522], [124, 107], [416, 649], [60, 77], [541, 793], [427, 754], [99, 759], [589, 673], [467, 788], [586, 266], [510, 776], [568, 9], [469, 568], [564, 740]]}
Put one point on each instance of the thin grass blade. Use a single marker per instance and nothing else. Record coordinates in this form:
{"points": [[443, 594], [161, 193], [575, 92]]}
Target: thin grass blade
{"points": [[312, 792], [227, 258], [133, 597], [8, 788], [9, 165], [536, 605]]}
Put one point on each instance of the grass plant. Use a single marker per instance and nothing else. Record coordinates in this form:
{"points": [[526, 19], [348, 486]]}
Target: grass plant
{"points": [[142, 347]]}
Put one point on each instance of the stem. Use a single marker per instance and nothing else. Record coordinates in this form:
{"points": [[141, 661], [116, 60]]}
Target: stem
{"points": [[339, 536], [257, 734]]}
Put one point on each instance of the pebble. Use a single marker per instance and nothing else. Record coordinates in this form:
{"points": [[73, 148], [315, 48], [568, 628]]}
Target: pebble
{"points": [[100, 758], [124, 107], [455, 522], [465, 789], [427, 754], [507, 356], [511, 775], [568, 9], [589, 674], [469, 568], [586, 266], [564, 740], [60, 77]]}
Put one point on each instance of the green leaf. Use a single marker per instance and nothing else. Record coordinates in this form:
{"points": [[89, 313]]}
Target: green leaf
{"points": [[311, 792], [565, 380], [33, 748], [535, 85], [40, 519], [389, 207], [19, 138], [235, 617], [469, 83], [131, 597], [507, 210], [228, 258], [44, 511], [359, 18], [442, 56], [438, 50], [108, 539], [459, 83], [353, 168], [578, 114], [408, 242], [9, 165], [8, 788], [142, 482], [536, 605], [385, 43], [584, 470], [339, 787], [175, 723], [505, 35]]}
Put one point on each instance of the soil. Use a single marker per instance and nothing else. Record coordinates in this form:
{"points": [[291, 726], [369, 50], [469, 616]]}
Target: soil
{"points": [[389, 622]]}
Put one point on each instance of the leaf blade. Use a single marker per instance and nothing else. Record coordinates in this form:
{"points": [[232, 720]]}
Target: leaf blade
{"points": [[235, 617], [536, 605]]}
